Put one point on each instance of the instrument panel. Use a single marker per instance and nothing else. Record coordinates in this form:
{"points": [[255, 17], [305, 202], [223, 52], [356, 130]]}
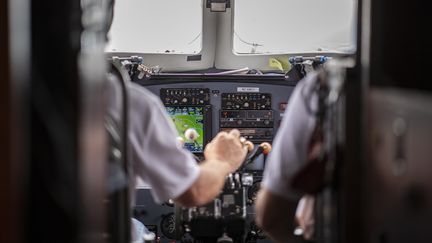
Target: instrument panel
{"points": [[255, 109]]}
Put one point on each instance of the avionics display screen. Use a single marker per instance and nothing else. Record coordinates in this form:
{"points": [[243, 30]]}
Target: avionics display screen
{"points": [[189, 117]]}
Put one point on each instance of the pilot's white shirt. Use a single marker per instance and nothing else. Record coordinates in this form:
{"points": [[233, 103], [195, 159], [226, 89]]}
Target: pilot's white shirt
{"points": [[290, 145], [155, 154]]}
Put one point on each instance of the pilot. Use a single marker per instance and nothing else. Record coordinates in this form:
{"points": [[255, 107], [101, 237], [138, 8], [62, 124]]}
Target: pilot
{"points": [[277, 200], [157, 158]]}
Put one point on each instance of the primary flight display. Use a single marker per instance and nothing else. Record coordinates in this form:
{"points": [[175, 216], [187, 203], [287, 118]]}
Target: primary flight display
{"points": [[187, 117]]}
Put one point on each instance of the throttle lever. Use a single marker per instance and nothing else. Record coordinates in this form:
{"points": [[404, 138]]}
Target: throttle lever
{"points": [[263, 148]]}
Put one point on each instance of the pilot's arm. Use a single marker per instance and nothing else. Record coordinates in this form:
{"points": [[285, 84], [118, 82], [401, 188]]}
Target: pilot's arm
{"points": [[171, 171], [223, 155], [277, 201]]}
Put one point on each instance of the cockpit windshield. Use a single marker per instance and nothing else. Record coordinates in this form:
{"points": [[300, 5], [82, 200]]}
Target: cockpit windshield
{"points": [[156, 26], [246, 35], [294, 26]]}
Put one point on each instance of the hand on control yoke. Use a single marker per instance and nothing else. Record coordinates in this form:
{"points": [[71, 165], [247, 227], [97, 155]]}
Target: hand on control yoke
{"points": [[227, 147]]}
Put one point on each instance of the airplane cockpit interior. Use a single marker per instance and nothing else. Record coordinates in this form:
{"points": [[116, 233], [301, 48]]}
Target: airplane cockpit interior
{"points": [[204, 121]]}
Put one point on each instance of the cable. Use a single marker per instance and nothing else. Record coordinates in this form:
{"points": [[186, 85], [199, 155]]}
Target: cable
{"points": [[254, 45]]}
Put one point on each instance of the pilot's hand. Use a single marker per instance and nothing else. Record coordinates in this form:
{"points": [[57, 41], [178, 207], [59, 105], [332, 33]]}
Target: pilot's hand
{"points": [[227, 147]]}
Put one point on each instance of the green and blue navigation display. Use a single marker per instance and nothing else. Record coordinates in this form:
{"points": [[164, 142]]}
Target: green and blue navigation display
{"points": [[189, 117]]}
